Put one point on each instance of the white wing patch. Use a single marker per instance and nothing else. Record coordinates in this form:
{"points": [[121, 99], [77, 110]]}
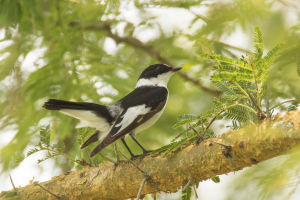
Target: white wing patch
{"points": [[130, 115], [88, 118]]}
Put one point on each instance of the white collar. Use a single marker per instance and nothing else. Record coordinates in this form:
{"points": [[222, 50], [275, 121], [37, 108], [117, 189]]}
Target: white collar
{"points": [[150, 82], [160, 80]]}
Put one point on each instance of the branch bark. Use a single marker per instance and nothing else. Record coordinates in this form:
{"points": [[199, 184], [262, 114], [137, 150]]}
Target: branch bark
{"points": [[230, 152], [134, 42]]}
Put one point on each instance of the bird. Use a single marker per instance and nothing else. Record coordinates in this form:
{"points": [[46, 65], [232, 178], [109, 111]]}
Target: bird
{"points": [[133, 113]]}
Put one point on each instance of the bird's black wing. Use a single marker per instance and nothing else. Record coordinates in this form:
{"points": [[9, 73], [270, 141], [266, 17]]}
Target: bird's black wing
{"points": [[139, 106]]}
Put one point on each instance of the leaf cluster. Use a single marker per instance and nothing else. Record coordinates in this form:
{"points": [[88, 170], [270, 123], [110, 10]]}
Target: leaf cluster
{"points": [[52, 150], [243, 85]]}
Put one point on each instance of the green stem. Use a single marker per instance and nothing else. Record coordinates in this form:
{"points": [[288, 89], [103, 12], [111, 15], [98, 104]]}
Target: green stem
{"points": [[247, 107], [251, 99], [223, 61], [256, 84], [242, 90], [62, 154], [219, 113]]}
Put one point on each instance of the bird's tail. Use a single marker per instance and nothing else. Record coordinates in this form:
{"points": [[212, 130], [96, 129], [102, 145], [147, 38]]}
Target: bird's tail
{"points": [[90, 114], [84, 111], [55, 104]]}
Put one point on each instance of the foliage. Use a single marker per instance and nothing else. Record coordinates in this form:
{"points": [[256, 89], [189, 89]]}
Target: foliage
{"points": [[242, 83], [57, 149], [216, 179]]}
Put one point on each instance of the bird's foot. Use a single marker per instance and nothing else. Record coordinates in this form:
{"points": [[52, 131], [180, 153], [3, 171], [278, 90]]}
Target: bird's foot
{"points": [[146, 152], [133, 157], [141, 156]]}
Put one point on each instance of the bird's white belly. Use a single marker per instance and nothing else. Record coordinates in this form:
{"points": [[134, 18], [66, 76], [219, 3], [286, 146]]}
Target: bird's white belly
{"points": [[148, 123]]}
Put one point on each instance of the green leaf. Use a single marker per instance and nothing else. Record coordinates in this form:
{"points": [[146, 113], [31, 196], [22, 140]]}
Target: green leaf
{"points": [[184, 119], [258, 43], [45, 136], [187, 193], [292, 107], [32, 151], [216, 179], [222, 60]]}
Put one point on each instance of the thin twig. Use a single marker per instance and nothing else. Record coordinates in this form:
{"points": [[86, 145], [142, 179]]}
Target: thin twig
{"points": [[203, 18], [89, 157], [232, 47], [105, 157], [236, 104], [268, 110], [202, 126], [191, 127], [195, 191], [279, 104], [12, 182], [58, 153], [199, 136], [256, 85], [251, 99], [141, 188], [256, 105], [48, 191], [134, 42], [244, 106], [223, 145], [187, 185], [214, 118]]}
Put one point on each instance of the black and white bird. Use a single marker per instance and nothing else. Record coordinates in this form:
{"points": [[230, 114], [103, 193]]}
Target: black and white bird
{"points": [[135, 112]]}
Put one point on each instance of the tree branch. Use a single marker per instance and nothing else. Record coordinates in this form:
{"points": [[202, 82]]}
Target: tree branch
{"points": [[134, 42], [193, 162]]}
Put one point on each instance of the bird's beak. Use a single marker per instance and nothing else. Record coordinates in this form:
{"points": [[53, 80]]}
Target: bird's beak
{"points": [[175, 69]]}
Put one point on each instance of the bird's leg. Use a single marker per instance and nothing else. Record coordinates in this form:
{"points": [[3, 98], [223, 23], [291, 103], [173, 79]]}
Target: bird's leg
{"points": [[117, 152], [125, 144], [118, 160], [135, 140]]}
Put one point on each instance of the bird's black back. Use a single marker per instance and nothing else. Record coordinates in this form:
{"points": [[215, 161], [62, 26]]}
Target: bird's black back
{"points": [[151, 96]]}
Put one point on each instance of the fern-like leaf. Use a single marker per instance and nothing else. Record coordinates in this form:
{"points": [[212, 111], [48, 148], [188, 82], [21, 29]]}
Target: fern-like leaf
{"points": [[258, 43], [187, 193]]}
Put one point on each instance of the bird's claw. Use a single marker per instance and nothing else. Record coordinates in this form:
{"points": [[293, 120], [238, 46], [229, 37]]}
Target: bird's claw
{"points": [[145, 153]]}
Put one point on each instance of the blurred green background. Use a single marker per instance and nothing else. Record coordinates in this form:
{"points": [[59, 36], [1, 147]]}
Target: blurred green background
{"points": [[94, 50]]}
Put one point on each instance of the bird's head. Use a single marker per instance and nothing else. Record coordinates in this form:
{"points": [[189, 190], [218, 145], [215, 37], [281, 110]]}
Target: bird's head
{"points": [[156, 75]]}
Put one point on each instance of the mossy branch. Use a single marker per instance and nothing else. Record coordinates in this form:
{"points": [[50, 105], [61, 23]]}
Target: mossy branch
{"points": [[238, 149]]}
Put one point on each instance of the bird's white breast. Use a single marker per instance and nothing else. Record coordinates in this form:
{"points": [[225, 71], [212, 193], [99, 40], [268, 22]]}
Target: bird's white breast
{"points": [[150, 121]]}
